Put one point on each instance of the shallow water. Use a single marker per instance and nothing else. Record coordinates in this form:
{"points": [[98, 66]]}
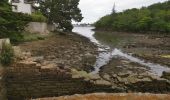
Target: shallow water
{"points": [[106, 53]]}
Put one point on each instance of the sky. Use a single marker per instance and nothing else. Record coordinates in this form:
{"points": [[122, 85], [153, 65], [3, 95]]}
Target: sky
{"points": [[93, 10]]}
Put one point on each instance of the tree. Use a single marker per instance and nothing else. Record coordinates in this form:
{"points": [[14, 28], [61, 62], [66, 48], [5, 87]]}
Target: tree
{"points": [[4, 5], [11, 23], [61, 12], [155, 18], [114, 9]]}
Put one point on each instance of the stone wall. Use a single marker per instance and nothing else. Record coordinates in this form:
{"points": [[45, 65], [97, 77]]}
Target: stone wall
{"points": [[28, 80], [39, 27], [2, 84]]}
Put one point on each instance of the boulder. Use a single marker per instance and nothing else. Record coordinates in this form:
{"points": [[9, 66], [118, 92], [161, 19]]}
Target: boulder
{"points": [[166, 75]]}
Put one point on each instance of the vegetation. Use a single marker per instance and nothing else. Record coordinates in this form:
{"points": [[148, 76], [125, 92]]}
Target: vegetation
{"points": [[4, 5], [12, 24], [7, 54], [38, 17], [155, 18], [32, 37], [61, 12]]}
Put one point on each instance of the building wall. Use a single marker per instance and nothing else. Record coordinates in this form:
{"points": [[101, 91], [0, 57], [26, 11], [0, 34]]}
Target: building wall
{"points": [[22, 7]]}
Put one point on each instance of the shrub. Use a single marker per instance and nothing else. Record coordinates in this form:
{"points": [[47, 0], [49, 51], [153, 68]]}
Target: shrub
{"points": [[12, 24], [7, 54], [38, 17]]}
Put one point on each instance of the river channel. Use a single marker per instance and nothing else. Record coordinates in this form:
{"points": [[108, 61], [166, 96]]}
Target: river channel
{"points": [[106, 53]]}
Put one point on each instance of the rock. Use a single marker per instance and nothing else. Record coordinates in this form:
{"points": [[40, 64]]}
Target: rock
{"points": [[61, 65], [88, 55], [123, 75], [27, 54], [166, 75], [106, 76], [95, 77], [17, 51], [4, 41], [102, 82], [38, 59]]}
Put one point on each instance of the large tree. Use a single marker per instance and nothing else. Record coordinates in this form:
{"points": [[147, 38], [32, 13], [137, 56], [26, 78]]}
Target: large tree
{"points": [[61, 12]]}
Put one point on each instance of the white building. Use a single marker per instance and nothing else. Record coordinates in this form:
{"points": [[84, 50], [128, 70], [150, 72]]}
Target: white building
{"points": [[23, 6]]}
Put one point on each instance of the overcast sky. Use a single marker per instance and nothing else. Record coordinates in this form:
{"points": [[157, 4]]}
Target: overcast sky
{"points": [[92, 10]]}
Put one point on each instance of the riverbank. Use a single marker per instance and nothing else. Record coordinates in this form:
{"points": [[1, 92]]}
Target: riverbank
{"points": [[136, 66], [60, 63], [54, 66], [64, 50]]}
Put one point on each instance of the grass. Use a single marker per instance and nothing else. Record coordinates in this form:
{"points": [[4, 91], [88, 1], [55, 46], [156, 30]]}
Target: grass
{"points": [[32, 37], [38, 17], [7, 54]]}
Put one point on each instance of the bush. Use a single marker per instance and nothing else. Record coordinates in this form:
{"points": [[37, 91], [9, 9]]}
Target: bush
{"points": [[38, 17], [7, 54], [12, 24]]}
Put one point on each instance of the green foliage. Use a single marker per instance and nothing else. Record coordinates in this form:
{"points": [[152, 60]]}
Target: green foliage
{"points": [[12, 24], [32, 37], [105, 21], [155, 18], [38, 17], [4, 5], [61, 12], [7, 54]]}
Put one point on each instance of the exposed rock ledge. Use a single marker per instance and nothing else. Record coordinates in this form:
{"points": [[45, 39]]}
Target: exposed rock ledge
{"points": [[107, 96]]}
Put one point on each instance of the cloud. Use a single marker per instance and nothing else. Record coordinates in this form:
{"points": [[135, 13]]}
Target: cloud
{"points": [[92, 10]]}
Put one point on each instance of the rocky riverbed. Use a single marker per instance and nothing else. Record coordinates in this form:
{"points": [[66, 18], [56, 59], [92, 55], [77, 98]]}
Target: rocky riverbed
{"points": [[62, 50], [77, 55], [150, 47], [129, 75]]}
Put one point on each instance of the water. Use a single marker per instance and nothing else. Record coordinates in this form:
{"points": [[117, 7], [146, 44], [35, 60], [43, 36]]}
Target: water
{"points": [[106, 53]]}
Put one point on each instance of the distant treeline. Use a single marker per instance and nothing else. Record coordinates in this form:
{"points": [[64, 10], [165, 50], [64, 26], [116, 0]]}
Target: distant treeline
{"points": [[155, 18]]}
